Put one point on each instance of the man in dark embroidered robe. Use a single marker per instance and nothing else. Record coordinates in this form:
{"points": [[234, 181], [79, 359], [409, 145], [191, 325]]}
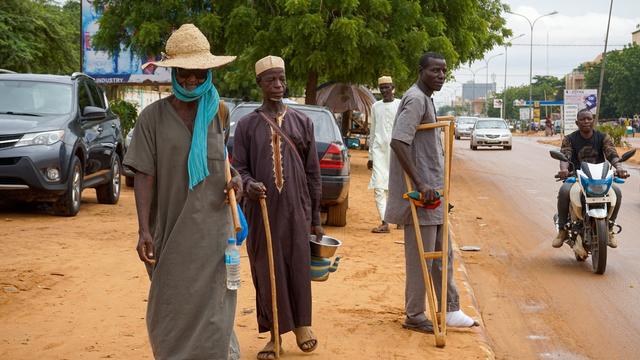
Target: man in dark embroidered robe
{"points": [[287, 172]]}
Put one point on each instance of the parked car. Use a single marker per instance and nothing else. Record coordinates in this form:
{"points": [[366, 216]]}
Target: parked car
{"points": [[57, 138], [491, 132], [463, 126], [332, 152]]}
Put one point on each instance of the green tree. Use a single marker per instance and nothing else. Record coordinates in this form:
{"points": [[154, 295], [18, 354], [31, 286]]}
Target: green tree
{"points": [[544, 88], [452, 110], [127, 113], [342, 40], [621, 84], [40, 36]]}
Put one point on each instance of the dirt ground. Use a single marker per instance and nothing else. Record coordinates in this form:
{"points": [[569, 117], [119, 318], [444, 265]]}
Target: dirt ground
{"points": [[73, 288]]}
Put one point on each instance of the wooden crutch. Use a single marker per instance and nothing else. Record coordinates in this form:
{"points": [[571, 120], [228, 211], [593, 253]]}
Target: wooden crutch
{"points": [[438, 317], [272, 275]]}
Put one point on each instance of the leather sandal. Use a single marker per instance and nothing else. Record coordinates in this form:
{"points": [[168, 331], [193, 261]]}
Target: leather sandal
{"points": [[382, 229], [304, 336]]}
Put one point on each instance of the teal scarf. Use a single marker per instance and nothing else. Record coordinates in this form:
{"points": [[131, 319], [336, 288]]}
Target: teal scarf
{"points": [[208, 97]]}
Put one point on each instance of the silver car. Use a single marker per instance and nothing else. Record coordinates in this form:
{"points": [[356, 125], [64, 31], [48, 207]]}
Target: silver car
{"points": [[464, 126], [491, 132]]}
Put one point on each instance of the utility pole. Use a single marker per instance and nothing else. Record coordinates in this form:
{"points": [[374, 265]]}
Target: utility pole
{"points": [[604, 58]]}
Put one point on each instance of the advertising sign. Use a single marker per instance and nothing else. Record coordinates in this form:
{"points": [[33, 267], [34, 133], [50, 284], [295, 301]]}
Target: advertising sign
{"points": [[497, 103], [122, 67], [574, 101], [524, 114]]}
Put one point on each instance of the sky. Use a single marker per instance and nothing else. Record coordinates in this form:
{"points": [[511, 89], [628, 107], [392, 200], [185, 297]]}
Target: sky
{"points": [[577, 23]]}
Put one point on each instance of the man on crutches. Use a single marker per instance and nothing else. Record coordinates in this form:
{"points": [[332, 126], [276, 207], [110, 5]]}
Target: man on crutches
{"points": [[275, 153], [420, 154]]}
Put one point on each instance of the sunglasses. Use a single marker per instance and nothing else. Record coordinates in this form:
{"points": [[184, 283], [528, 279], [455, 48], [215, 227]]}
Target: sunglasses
{"points": [[200, 74]]}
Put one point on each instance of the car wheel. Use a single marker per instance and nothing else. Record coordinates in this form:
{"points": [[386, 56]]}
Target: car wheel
{"points": [[457, 137], [109, 193], [129, 181], [507, 147], [69, 203], [473, 147], [337, 214]]}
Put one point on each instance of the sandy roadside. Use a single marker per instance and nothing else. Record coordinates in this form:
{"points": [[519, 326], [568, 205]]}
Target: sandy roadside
{"points": [[73, 288]]}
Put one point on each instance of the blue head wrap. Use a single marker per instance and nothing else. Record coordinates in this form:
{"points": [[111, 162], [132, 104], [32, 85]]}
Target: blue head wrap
{"points": [[208, 97]]}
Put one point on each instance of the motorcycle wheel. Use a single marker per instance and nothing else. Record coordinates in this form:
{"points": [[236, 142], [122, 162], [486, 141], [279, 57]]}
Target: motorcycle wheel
{"points": [[599, 242]]}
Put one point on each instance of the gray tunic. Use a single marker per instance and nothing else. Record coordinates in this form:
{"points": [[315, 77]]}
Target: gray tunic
{"points": [[190, 312], [427, 154]]}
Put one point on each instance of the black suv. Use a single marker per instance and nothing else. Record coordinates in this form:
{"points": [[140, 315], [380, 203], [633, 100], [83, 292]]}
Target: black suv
{"points": [[333, 154], [57, 137]]}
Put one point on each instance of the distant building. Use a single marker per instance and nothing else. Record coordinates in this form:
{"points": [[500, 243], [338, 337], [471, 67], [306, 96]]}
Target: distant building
{"points": [[471, 91], [574, 80]]}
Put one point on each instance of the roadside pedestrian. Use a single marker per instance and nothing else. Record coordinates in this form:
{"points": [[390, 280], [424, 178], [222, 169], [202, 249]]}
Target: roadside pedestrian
{"points": [[420, 154], [177, 153], [548, 126], [383, 113], [275, 152]]}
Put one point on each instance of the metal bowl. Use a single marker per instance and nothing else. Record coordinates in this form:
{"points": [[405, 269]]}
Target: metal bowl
{"points": [[325, 248]]}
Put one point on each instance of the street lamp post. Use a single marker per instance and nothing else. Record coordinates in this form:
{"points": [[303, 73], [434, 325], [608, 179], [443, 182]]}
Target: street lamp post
{"points": [[486, 84], [531, 25], [504, 90]]}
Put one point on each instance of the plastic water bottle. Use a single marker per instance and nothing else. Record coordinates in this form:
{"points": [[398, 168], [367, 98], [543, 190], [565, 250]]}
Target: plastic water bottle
{"points": [[232, 261]]}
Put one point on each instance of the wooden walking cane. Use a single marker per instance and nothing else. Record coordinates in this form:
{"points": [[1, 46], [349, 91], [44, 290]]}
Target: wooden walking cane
{"points": [[272, 275], [437, 317], [231, 195]]}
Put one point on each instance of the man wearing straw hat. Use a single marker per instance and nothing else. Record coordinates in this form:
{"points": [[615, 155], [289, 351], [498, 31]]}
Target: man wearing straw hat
{"points": [[383, 113], [420, 154], [178, 155], [275, 152]]}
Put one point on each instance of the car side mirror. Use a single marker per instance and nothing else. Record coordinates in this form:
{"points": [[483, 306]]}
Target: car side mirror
{"points": [[558, 155], [93, 113], [628, 155]]}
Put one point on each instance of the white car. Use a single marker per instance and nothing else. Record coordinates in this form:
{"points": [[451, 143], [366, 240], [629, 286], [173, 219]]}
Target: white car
{"points": [[464, 126], [491, 132]]}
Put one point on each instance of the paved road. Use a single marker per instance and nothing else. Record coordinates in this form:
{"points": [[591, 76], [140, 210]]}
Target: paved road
{"points": [[538, 302]]}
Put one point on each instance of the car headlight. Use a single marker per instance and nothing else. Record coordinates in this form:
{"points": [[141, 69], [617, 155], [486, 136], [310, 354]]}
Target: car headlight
{"points": [[505, 135], [41, 138]]}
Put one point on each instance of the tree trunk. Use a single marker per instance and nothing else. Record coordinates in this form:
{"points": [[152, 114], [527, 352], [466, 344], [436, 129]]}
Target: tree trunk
{"points": [[312, 85]]}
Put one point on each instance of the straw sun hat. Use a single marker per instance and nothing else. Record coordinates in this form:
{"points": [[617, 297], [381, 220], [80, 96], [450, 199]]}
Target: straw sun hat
{"points": [[188, 48]]}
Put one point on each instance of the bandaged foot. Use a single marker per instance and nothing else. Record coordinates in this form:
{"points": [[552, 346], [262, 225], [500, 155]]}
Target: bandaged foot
{"points": [[460, 319]]}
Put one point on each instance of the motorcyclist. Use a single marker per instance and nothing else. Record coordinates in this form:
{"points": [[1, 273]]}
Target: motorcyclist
{"points": [[586, 144]]}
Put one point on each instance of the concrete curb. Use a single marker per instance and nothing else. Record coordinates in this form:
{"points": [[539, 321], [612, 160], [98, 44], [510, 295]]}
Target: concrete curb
{"points": [[486, 346]]}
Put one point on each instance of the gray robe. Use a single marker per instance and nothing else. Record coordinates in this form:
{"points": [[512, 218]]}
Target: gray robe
{"points": [[190, 313]]}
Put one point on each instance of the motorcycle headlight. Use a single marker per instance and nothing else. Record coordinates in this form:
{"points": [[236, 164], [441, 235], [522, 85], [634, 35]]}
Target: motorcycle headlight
{"points": [[596, 187], [41, 138]]}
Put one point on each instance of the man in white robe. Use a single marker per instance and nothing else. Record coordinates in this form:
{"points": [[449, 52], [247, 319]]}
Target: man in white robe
{"points": [[383, 113]]}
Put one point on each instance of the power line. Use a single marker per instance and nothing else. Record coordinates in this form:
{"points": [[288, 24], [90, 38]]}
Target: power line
{"points": [[574, 45]]}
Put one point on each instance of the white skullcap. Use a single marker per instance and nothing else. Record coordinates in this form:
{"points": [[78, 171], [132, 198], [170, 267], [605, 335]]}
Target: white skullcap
{"points": [[269, 62], [385, 80]]}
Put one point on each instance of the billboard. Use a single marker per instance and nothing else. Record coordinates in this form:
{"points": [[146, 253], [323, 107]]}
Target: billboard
{"points": [[123, 67], [574, 101]]}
